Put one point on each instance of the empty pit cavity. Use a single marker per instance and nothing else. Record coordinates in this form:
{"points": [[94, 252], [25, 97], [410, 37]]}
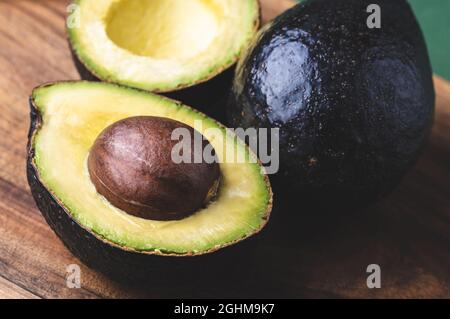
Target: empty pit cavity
{"points": [[163, 29]]}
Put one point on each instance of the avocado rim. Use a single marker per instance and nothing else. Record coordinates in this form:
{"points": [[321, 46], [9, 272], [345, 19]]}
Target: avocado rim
{"points": [[72, 233]]}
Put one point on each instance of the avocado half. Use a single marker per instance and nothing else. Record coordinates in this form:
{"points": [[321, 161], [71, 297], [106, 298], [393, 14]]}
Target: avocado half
{"points": [[354, 105], [67, 117], [161, 45]]}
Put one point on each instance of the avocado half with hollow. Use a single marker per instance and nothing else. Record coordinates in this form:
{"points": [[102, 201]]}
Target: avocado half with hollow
{"points": [[161, 45], [69, 118]]}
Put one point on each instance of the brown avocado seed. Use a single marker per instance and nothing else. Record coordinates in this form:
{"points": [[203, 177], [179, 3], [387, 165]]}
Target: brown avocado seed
{"points": [[131, 165]]}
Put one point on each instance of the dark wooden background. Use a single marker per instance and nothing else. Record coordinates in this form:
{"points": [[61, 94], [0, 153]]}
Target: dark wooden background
{"points": [[408, 234]]}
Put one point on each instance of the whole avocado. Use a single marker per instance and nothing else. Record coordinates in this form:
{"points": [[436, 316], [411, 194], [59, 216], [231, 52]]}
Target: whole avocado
{"points": [[354, 104]]}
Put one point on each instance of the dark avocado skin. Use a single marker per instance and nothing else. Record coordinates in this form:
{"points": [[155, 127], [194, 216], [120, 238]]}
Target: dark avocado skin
{"points": [[354, 105], [209, 97]]}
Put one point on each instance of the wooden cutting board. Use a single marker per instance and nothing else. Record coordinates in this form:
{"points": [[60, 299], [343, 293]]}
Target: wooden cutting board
{"points": [[408, 234]]}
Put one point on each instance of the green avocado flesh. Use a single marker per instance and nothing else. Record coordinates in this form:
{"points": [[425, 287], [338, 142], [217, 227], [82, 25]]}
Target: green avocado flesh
{"points": [[161, 45], [72, 116]]}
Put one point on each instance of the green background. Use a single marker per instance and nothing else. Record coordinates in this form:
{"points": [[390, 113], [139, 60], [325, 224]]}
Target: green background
{"points": [[434, 18]]}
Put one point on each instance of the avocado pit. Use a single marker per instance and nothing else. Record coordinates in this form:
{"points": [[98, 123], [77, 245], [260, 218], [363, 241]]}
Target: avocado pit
{"points": [[131, 165]]}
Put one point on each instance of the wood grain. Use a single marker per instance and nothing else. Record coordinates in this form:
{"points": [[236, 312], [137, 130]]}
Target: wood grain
{"points": [[408, 234], [272, 8], [8, 290]]}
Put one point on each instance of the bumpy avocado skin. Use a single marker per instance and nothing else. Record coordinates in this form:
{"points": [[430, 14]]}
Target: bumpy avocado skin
{"points": [[209, 97], [354, 105], [83, 71]]}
